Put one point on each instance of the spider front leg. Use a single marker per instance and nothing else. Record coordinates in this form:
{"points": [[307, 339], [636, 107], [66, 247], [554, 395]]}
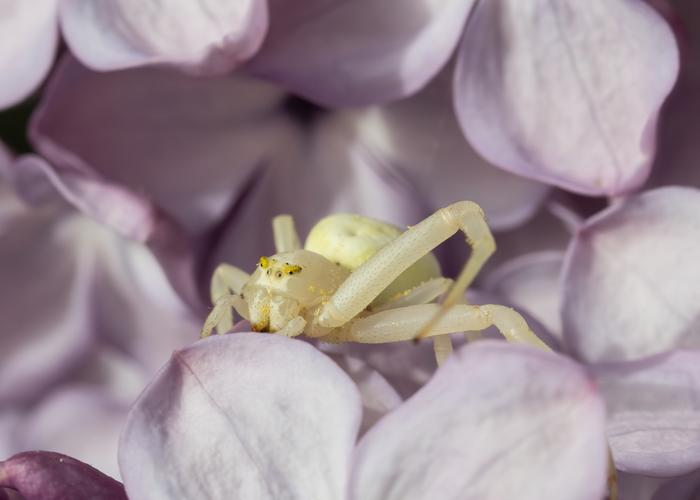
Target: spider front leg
{"points": [[421, 294], [225, 290], [387, 264], [368, 280], [404, 323]]}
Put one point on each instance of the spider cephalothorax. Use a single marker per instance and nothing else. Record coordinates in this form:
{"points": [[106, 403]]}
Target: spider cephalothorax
{"points": [[287, 285], [362, 280]]}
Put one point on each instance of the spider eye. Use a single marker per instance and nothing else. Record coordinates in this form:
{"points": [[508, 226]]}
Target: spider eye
{"points": [[278, 274], [264, 262], [291, 268]]}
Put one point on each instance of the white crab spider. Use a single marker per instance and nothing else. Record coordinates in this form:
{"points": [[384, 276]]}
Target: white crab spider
{"points": [[350, 283]]}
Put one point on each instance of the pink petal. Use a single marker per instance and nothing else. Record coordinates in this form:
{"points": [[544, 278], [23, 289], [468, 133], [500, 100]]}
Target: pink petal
{"points": [[378, 396], [420, 139], [93, 285], [637, 487], [545, 232], [90, 434], [558, 91], [353, 53], [8, 494], [117, 374], [496, 421], [211, 37], [630, 278], [12, 206], [28, 44], [5, 158], [250, 415], [158, 170], [331, 174], [407, 366], [683, 488], [531, 282], [42, 475], [189, 145], [676, 160], [46, 325], [9, 420], [653, 413], [139, 312]]}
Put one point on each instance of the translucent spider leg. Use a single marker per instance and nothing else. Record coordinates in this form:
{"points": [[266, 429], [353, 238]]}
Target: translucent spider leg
{"points": [[227, 282], [387, 264], [483, 245], [421, 294], [404, 323], [372, 277], [285, 234], [221, 317]]}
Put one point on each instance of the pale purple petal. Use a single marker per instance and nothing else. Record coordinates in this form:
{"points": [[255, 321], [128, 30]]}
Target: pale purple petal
{"points": [[9, 419], [8, 494], [407, 366], [47, 274], [80, 421], [208, 37], [637, 487], [561, 91], [682, 488], [496, 421], [677, 158], [28, 41], [329, 174], [543, 233], [68, 282], [630, 280], [171, 156], [5, 158], [42, 475], [117, 373], [531, 282], [189, 145], [138, 310], [654, 413], [251, 415], [12, 206], [353, 53], [378, 396], [420, 140]]}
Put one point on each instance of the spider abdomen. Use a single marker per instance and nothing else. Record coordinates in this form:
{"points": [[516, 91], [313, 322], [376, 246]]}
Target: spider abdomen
{"points": [[349, 240]]}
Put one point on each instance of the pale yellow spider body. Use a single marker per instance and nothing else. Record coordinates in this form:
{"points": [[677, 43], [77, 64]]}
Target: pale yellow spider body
{"points": [[362, 280]]}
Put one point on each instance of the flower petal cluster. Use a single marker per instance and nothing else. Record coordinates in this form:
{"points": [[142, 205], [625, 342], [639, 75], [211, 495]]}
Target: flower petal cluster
{"points": [[595, 126], [268, 417], [168, 134]]}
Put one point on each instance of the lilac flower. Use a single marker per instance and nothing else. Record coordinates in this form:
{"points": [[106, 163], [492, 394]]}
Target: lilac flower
{"points": [[202, 37], [46, 475], [260, 416], [193, 170], [557, 91], [538, 88], [87, 317], [324, 52], [231, 168], [629, 310]]}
